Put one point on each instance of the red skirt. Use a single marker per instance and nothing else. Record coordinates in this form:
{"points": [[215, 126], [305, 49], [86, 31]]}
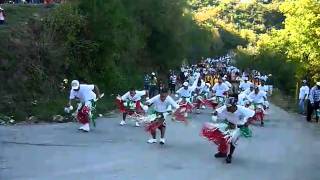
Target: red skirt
{"points": [[83, 115], [154, 125], [214, 135], [123, 109], [258, 116]]}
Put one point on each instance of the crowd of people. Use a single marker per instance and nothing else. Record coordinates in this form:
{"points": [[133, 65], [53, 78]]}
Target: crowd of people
{"points": [[236, 98], [311, 98]]}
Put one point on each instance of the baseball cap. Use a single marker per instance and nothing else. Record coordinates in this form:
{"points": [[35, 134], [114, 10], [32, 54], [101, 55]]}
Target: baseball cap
{"points": [[185, 84], [75, 84], [318, 83]]}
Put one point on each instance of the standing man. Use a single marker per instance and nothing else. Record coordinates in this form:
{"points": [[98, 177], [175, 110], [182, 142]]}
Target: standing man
{"points": [[153, 84], [172, 82], [146, 82], [314, 98], [303, 95], [86, 94], [2, 16]]}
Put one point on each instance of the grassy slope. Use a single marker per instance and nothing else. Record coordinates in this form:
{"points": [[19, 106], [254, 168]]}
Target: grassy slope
{"points": [[16, 15]]}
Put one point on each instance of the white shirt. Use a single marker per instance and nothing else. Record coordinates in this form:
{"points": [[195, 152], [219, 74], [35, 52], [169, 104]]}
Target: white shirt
{"points": [[239, 117], [257, 98], [263, 88], [200, 88], [1, 16], [220, 89], [247, 92], [162, 106], [304, 90], [84, 94], [228, 84], [136, 97], [245, 85], [187, 92]]}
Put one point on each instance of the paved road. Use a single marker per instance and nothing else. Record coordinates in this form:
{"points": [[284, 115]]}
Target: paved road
{"points": [[287, 148]]}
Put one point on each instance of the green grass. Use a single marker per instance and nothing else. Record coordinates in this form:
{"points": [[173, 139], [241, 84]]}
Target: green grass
{"points": [[17, 15]]}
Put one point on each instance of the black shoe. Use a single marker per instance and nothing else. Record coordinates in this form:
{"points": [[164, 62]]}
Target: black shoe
{"points": [[228, 160], [220, 155]]}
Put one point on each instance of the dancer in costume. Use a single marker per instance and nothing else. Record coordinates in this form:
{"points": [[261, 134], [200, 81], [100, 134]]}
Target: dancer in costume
{"points": [[258, 99], [199, 95], [161, 103], [86, 94], [185, 91], [132, 103], [220, 89], [226, 135]]}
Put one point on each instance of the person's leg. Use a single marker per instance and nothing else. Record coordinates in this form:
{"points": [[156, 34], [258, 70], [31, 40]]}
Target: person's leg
{"points": [[123, 122], [229, 157], [316, 107], [309, 111], [163, 131], [153, 136], [301, 106]]}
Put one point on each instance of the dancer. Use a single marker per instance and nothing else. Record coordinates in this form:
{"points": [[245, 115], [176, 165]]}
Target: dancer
{"points": [[161, 103], [132, 99], [226, 135], [86, 94]]}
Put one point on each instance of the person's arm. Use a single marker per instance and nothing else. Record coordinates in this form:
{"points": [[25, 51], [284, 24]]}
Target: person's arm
{"points": [[311, 96], [250, 97], [194, 85], [152, 100], [125, 96], [71, 96], [248, 113], [173, 103], [306, 92], [179, 90]]}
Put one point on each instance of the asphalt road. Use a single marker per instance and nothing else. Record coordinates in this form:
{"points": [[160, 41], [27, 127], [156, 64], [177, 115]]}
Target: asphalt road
{"points": [[287, 148]]}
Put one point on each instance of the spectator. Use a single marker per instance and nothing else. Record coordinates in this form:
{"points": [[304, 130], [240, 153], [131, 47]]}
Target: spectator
{"points": [[303, 95], [2, 16], [172, 82], [153, 85], [314, 100], [146, 82]]}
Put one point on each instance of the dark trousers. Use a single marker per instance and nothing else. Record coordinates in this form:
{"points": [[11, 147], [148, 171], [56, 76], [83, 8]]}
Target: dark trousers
{"points": [[152, 92], [311, 109], [172, 88]]}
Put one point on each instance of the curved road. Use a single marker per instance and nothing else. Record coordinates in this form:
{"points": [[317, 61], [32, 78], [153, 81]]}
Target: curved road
{"points": [[287, 148]]}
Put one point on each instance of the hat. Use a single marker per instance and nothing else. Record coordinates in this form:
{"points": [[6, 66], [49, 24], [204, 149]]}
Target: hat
{"points": [[304, 81], [1, 9], [153, 73], [245, 78], [75, 84], [185, 84], [231, 102], [208, 84], [318, 83]]}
